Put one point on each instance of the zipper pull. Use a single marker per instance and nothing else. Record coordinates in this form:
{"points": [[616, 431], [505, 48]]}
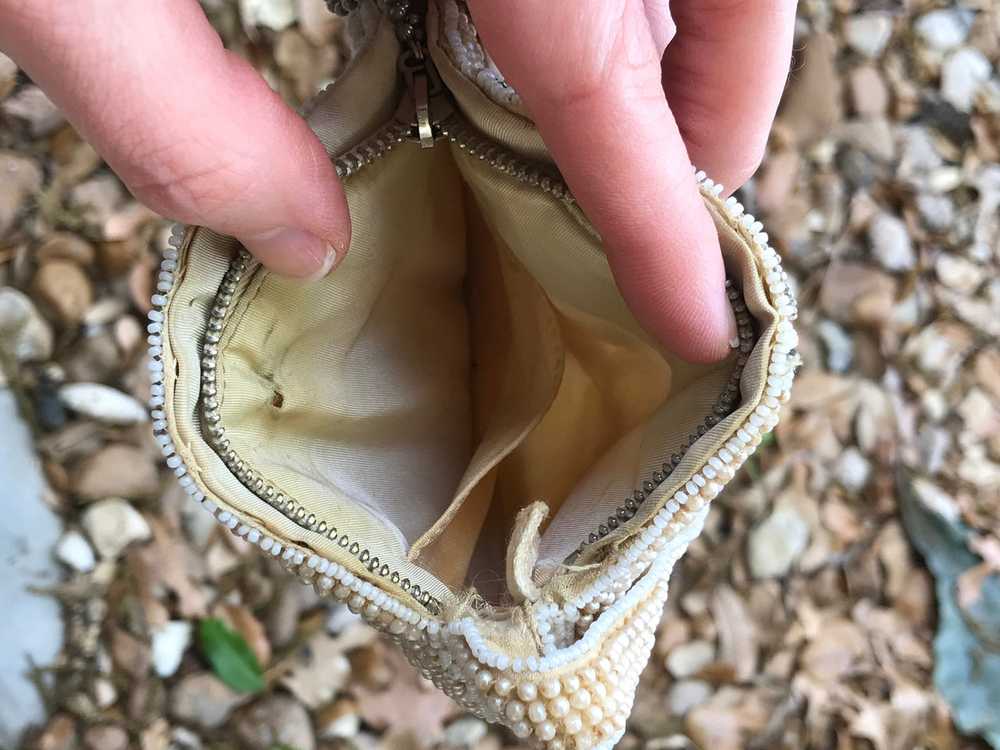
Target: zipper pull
{"points": [[425, 88]]}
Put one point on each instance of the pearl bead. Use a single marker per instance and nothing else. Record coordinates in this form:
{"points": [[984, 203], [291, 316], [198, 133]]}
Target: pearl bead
{"points": [[503, 686], [589, 674], [515, 710], [546, 731], [573, 723], [559, 706], [551, 688], [527, 691], [584, 741], [607, 728], [521, 729], [594, 715], [571, 683], [484, 679], [537, 712], [599, 690], [580, 699]]}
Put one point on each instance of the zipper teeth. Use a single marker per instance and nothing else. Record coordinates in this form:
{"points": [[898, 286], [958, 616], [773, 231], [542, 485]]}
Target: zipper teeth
{"points": [[371, 149], [245, 473]]}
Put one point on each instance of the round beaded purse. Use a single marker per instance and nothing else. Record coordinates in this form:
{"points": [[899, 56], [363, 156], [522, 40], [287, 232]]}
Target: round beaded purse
{"points": [[463, 433]]}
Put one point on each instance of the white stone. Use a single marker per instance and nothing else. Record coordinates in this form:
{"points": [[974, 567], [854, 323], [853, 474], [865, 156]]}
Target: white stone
{"points": [[868, 33], [31, 105], [274, 14], [31, 630], [686, 694], [687, 659], [169, 644], [944, 29], [75, 551], [958, 273], [853, 470], [962, 74], [102, 403], [937, 211], [890, 243], [777, 542], [839, 345], [465, 732], [24, 333], [113, 525]]}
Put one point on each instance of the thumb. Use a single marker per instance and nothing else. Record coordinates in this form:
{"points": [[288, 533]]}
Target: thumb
{"points": [[590, 77], [192, 130]]}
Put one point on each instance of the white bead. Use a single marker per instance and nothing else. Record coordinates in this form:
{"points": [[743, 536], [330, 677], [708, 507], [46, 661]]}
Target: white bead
{"points": [[527, 691], [559, 706], [573, 723], [521, 729], [503, 686], [514, 710], [551, 687], [546, 731], [537, 712], [580, 699]]}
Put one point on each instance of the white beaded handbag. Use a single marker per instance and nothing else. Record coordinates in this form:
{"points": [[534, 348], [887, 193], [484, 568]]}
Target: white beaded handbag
{"points": [[463, 433]]}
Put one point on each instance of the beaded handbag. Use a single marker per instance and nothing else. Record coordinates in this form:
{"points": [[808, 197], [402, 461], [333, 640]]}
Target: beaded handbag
{"points": [[462, 432]]}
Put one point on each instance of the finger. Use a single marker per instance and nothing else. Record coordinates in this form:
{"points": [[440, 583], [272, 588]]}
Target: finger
{"points": [[723, 74], [191, 129], [595, 94]]}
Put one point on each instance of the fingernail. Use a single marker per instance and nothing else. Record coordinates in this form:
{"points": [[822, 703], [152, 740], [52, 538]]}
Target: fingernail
{"points": [[292, 252]]}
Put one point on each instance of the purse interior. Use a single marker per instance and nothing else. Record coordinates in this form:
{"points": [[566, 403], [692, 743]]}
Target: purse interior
{"points": [[470, 356]]}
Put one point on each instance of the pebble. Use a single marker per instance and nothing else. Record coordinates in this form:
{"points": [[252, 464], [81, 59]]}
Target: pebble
{"points": [[958, 273], [32, 106], [890, 243], [65, 288], [59, 734], [169, 642], [465, 732], [869, 94], [839, 345], [106, 737], [74, 550], [113, 525], [937, 211], [117, 470], [339, 719], [103, 403], [273, 14], [204, 700], [964, 71], [944, 29], [66, 246], [20, 177], [689, 658], [777, 542], [275, 721], [24, 334], [96, 200], [868, 33], [853, 470], [686, 694]]}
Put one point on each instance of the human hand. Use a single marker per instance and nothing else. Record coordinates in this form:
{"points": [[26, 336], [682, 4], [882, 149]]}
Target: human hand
{"points": [[198, 136], [624, 122]]}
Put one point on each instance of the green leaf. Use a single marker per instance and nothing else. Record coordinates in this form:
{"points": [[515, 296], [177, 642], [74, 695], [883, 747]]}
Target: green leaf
{"points": [[231, 658]]}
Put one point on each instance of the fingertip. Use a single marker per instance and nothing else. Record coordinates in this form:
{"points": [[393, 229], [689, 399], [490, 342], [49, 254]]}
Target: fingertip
{"points": [[293, 252]]}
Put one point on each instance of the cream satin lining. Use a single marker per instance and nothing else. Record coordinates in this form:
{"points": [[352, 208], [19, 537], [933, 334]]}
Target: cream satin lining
{"points": [[470, 356]]}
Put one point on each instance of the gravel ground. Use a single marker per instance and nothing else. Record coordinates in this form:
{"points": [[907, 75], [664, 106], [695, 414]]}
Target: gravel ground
{"points": [[806, 614]]}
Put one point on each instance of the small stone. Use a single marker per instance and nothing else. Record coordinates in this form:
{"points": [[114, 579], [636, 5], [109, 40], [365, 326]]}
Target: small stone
{"points": [[32, 106], [339, 719], [868, 33], [128, 334], [778, 542], [104, 692], [25, 335], [937, 211], [890, 243], [103, 403], [20, 177], [987, 370], [65, 288], [853, 470], [8, 75], [981, 415], [117, 470], [169, 642], [465, 732], [97, 199], [113, 525], [958, 273], [204, 700], [869, 94], [75, 551], [275, 721], [963, 73], [839, 345], [944, 29], [689, 658], [66, 246], [273, 14], [106, 737], [59, 734], [686, 694]]}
